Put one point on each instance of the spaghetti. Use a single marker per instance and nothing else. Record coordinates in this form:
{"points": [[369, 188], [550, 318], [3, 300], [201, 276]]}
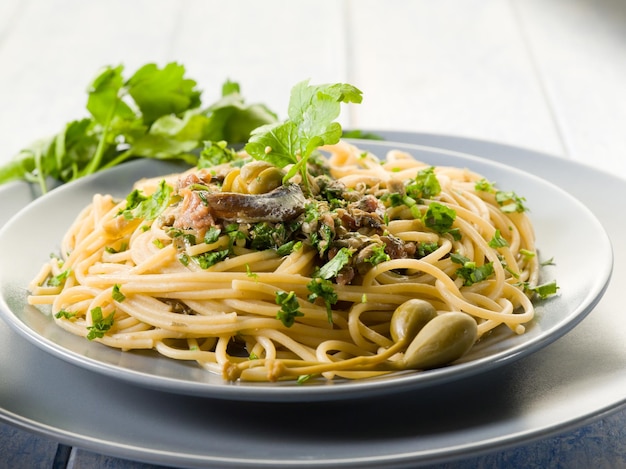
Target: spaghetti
{"points": [[258, 280]]}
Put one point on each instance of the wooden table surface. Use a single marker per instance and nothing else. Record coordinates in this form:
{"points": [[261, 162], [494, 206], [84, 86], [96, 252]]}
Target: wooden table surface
{"points": [[546, 75]]}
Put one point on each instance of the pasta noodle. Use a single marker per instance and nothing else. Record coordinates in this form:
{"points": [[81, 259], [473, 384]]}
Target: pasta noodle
{"points": [[272, 285]]}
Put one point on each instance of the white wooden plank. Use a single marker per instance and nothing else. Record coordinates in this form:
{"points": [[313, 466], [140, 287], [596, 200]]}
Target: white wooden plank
{"points": [[265, 46], [56, 48], [448, 67], [579, 49], [10, 11]]}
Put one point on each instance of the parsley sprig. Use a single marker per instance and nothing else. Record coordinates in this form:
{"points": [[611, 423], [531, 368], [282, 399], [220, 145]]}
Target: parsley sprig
{"points": [[155, 113], [311, 123]]}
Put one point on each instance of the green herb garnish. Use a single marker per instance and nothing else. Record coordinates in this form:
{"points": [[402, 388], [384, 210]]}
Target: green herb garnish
{"points": [[322, 288], [147, 208], [116, 294], [59, 279], [378, 255], [544, 290], [101, 324], [333, 266], [470, 272], [289, 308], [155, 113], [498, 240], [312, 111], [440, 218], [425, 185]]}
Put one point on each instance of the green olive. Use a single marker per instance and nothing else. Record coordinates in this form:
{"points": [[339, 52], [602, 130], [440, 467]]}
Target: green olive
{"points": [[251, 170], [231, 181], [266, 181], [442, 340], [255, 177], [409, 318]]}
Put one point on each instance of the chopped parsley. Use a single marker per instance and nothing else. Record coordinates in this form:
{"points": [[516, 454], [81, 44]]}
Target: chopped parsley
{"points": [[216, 153], [323, 288], [123, 247], [544, 290], [59, 279], [304, 378], [65, 314], [289, 308], [483, 185], [510, 202], [267, 235], [140, 206], [212, 235], [334, 266], [251, 274], [101, 324], [288, 248], [440, 219], [470, 272], [425, 185], [424, 249], [378, 255], [392, 199], [116, 294], [498, 240], [208, 259]]}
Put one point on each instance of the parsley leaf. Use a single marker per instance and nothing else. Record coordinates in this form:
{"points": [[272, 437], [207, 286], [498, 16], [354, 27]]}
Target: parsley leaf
{"points": [[212, 235], [154, 113], [544, 290], [439, 218], [65, 314], [378, 255], [470, 272], [100, 323], [160, 92], [333, 266], [59, 279], [148, 208], [425, 185], [116, 294], [210, 258], [498, 241], [312, 111], [322, 288], [510, 202], [289, 308], [216, 153]]}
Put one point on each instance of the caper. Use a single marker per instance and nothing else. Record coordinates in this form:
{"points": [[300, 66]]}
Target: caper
{"points": [[409, 318], [441, 341]]}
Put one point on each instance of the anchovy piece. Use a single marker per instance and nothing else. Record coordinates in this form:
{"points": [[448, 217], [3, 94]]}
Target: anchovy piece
{"points": [[282, 204]]}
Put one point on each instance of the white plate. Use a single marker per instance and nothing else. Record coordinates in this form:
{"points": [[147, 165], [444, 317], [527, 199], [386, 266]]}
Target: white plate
{"points": [[564, 227]]}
